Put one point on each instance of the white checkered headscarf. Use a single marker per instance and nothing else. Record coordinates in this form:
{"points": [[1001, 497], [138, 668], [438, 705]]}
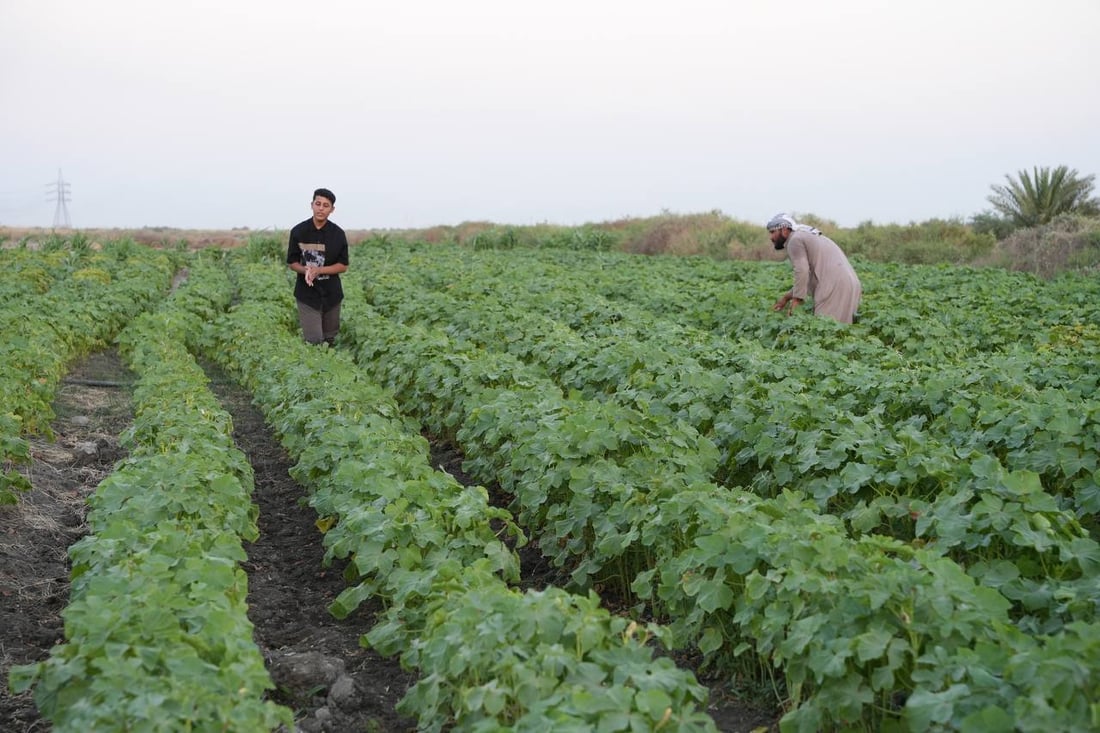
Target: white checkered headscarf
{"points": [[786, 220], [781, 220]]}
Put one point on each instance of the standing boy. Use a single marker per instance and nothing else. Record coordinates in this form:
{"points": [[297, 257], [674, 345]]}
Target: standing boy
{"points": [[318, 252]]}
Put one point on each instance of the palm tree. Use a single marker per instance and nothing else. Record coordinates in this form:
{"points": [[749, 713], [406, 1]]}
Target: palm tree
{"points": [[1035, 199]]}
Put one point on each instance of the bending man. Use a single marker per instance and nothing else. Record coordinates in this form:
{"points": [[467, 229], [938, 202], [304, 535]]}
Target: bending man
{"points": [[821, 271]]}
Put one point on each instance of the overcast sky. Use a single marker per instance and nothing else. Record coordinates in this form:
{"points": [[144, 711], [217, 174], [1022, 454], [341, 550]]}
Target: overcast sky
{"points": [[219, 114]]}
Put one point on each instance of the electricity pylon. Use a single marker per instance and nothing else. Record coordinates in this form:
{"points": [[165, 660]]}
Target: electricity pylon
{"points": [[60, 193]]}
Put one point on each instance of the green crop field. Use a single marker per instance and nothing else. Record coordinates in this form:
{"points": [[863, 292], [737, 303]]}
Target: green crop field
{"points": [[891, 525]]}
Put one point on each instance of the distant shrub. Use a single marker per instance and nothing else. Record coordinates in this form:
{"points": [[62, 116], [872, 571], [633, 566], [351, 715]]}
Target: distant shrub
{"points": [[265, 248], [665, 234], [53, 243], [585, 238], [495, 239], [1068, 242], [989, 222], [379, 239], [825, 225], [713, 234], [735, 240], [121, 248], [930, 242]]}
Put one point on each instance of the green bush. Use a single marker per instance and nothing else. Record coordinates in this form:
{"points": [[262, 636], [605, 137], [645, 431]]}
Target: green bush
{"points": [[265, 248], [989, 222], [733, 239], [929, 242], [585, 238]]}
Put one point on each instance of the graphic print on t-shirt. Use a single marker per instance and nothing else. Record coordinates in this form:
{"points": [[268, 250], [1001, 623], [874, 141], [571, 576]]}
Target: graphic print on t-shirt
{"points": [[313, 255]]}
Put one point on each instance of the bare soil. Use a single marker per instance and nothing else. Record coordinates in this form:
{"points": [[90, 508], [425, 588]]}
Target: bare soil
{"points": [[319, 668]]}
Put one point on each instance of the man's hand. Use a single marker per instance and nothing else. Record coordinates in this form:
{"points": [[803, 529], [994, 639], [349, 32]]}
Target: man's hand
{"points": [[311, 275], [786, 301]]}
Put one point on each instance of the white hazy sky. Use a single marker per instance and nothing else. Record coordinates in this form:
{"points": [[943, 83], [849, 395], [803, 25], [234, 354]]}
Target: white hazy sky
{"points": [[228, 113]]}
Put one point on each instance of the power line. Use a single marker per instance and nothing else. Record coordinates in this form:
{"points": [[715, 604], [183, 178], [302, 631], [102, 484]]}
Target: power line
{"points": [[60, 194]]}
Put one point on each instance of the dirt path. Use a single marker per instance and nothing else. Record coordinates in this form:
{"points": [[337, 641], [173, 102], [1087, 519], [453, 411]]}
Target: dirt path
{"points": [[35, 535], [321, 671]]}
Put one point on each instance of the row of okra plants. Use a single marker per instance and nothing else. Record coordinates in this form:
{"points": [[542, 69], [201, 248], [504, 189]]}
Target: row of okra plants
{"points": [[157, 636]]}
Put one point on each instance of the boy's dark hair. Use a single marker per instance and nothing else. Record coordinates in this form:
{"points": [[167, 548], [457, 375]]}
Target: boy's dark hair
{"points": [[324, 192]]}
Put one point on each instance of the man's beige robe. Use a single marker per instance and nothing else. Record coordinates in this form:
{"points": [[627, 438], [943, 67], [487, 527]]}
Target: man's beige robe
{"points": [[821, 270]]}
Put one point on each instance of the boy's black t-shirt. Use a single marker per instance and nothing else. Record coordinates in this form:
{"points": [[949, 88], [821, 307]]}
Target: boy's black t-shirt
{"points": [[318, 247]]}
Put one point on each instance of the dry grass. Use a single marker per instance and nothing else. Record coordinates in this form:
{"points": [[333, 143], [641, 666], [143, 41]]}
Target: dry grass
{"points": [[154, 236], [85, 399], [45, 510]]}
